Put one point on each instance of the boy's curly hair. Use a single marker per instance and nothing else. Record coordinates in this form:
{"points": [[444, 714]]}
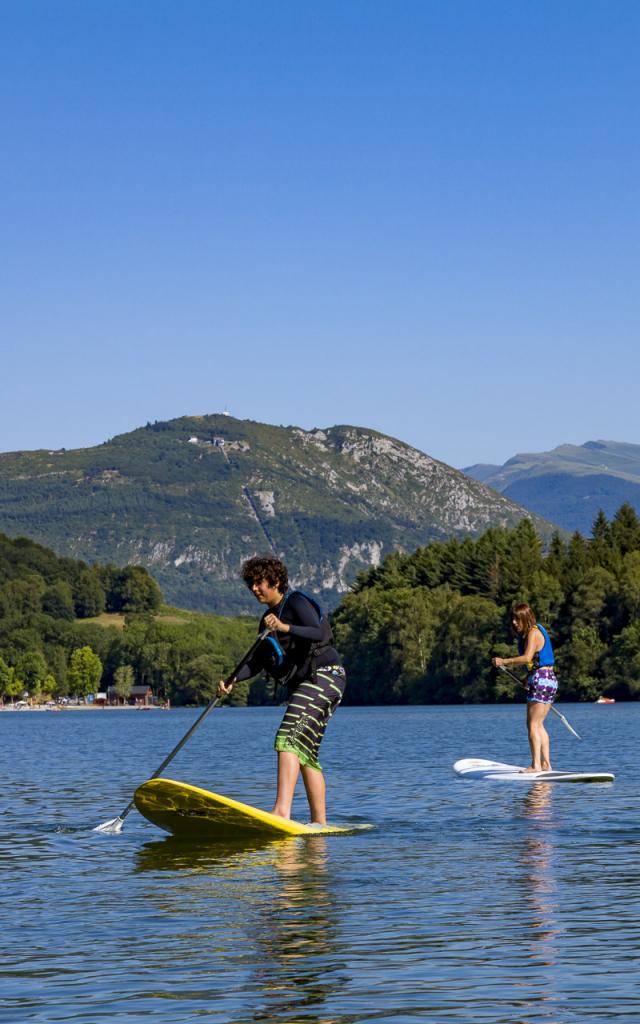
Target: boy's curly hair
{"points": [[257, 569]]}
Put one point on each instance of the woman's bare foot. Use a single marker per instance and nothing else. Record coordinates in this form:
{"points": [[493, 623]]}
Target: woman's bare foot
{"points": [[529, 770]]}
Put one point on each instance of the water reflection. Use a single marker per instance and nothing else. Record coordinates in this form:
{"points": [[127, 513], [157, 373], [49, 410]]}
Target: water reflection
{"points": [[171, 854], [298, 937], [280, 896], [540, 894]]}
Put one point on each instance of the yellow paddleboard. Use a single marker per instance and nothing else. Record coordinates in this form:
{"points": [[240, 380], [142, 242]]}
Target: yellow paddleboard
{"points": [[189, 811]]}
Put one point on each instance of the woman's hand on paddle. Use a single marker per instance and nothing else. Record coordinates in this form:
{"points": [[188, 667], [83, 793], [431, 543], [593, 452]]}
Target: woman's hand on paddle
{"points": [[272, 621], [223, 690], [497, 662]]}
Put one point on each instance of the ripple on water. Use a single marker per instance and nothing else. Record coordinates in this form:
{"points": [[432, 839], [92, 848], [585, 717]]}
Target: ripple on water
{"points": [[468, 902]]}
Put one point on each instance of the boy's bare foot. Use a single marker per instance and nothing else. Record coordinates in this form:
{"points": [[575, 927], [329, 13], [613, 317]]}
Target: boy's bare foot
{"points": [[285, 817]]}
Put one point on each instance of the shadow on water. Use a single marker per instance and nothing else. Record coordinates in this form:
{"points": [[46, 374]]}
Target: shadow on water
{"points": [[172, 854]]}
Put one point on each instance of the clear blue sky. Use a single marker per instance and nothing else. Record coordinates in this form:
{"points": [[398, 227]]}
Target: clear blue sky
{"points": [[420, 216]]}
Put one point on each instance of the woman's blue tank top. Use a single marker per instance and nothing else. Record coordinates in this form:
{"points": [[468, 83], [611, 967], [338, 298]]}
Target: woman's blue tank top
{"points": [[544, 657]]}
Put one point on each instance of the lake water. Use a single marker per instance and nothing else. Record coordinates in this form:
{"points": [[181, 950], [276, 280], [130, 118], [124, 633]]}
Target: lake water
{"points": [[468, 901]]}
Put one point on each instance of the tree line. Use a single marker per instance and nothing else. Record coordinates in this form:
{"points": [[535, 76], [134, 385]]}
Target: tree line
{"points": [[422, 627], [419, 628], [50, 647]]}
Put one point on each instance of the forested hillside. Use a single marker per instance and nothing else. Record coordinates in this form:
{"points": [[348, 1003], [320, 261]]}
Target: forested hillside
{"points": [[422, 628], [190, 499]]}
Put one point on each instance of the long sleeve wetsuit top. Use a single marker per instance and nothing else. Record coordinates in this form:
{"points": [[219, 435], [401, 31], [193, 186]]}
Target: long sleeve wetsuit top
{"points": [[306, 632]]}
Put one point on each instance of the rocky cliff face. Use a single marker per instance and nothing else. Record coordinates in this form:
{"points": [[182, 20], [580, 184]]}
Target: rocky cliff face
{"points": [[193, 497]]}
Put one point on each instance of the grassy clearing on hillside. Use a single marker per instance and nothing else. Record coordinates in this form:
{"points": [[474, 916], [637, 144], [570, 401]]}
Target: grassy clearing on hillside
{"points": [[166, 614], [105, 620]]}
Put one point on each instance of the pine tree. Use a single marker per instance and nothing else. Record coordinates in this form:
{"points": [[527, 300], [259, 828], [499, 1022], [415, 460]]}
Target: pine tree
{"points": [[625, 530]]}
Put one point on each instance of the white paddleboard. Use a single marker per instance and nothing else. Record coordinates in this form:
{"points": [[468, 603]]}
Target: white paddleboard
{"points": [[495, 771]]}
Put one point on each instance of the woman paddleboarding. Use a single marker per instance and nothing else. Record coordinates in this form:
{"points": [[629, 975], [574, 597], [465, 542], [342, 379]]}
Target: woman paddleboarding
{"points": [[534, 651], [299, 654]]}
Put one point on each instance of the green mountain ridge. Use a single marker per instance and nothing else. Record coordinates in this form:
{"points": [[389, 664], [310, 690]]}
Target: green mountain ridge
{"points": [[570, 484], [192, 497]]}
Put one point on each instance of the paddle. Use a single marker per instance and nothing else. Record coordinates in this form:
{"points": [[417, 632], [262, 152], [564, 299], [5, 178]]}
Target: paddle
{"points": [[555, 710], [115, 825]]}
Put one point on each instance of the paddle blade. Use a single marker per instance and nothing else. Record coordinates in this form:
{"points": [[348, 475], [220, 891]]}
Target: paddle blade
{"points": [[113, 827], [565, 722]]}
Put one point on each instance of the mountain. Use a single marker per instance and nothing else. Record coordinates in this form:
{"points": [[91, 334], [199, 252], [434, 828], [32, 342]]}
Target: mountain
{"points": [[191, 498], [571, 483]]}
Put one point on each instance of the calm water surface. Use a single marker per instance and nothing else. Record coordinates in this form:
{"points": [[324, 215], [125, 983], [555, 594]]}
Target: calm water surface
{"points": [[469, 901]]}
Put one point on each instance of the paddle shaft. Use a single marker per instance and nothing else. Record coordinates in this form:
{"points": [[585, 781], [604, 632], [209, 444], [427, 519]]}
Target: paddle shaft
{"points": [[210, 706], [555, 710]]}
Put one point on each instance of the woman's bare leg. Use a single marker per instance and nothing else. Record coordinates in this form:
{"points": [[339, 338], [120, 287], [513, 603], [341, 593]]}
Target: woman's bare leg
{"points": [[545, 746], [538, 737]]}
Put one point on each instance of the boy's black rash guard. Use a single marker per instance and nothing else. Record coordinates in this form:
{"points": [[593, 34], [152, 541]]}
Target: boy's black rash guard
{"points": [[300, 614]]}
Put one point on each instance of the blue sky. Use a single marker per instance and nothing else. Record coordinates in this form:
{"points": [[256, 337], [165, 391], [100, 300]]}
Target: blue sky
{"points": [[421, 217]]}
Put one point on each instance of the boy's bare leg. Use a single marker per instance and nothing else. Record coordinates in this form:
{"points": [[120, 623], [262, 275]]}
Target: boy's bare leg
{"points": [[315, 787], [288, 771]]}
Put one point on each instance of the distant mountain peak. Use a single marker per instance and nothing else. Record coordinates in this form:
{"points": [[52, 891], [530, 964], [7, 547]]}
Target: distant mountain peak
{"points": [[570, 484]]}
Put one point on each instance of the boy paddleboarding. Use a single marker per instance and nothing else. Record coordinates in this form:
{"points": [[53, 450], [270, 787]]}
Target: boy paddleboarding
{"points": [[299, 654]]}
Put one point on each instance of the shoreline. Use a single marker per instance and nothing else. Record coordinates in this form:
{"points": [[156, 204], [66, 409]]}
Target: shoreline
{"points": [[86, 707]]}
